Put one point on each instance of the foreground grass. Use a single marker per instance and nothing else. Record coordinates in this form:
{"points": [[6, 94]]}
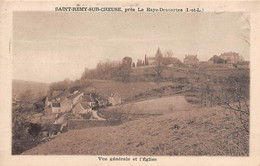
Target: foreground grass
{"points": [[207, 131]]}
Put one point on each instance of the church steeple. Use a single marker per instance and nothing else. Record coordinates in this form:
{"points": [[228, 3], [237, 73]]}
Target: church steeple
{"points": [[158, 53]]}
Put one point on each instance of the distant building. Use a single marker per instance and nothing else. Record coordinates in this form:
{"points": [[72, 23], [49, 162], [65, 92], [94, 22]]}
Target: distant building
{"points": [[152, 60], [75, 97], [48, 100], [158, 53], [231, 57], [66, 105], [56, 108], [82, 108], [114, 99], [216, 60], [191, 60], [139, 63], [89, 99]]}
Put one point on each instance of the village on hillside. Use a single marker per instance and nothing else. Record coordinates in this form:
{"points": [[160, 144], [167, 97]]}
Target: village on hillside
{"points": [[114, 98], [225, 60], [130, 83]]}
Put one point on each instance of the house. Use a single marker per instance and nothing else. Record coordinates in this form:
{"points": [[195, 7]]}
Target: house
{"points": [[82, 108], [114, 99], [66, 105], [48, 101], [75, 97], [90, 100], [55, 107], [152, 60], [61, 96], [216, 60], [231, 57], [139, 63], [149, 60], [191, 60]]}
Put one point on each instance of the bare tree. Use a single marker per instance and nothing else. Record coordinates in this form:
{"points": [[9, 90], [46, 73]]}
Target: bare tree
{"points": [[236, 98], [168, 54]]}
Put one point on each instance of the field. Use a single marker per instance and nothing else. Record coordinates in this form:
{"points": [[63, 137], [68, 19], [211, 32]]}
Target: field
{"points": [[127, 90], [205, 131], [161, 105]]}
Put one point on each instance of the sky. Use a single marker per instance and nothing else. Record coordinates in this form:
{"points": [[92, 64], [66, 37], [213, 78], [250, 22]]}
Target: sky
{"points": [[52, 46]]}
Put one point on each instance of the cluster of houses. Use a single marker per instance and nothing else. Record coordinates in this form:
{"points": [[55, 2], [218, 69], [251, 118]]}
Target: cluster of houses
{"points": [[78, 102], [226, 59]]}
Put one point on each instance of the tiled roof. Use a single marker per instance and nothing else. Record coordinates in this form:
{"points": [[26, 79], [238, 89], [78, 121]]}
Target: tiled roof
{"points": [[85, 105], [74, 96], [88, 98]]}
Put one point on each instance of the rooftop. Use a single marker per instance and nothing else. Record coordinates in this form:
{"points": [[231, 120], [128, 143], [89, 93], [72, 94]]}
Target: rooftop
{"points": [[88, 98], [85, 105]]}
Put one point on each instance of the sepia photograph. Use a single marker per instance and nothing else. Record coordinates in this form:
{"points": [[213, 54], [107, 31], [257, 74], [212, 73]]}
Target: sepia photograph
{"points": [[131, 83]]}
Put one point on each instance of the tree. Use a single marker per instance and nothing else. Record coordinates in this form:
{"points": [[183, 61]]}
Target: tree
{"points": [[158, 61], [168, 54], [168, 59], [139, 63], [127, 61], [27, 96], [236, 98], [60, 86]]}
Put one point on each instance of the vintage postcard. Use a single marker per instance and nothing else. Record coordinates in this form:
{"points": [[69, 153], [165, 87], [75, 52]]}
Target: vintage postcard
{"points": [[130, 83]]}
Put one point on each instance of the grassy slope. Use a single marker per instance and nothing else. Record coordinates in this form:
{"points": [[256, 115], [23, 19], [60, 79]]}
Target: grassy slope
{"points": [[20, 86], [197, 132], [125, 89]]}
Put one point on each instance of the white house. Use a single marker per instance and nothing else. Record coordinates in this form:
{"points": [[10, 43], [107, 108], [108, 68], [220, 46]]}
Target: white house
{"points": [[114, 99], [55, 108]]}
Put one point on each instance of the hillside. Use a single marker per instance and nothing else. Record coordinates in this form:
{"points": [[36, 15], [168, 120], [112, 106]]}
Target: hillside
{"points": [[127, 90], [206, 131], [20, 86]]}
